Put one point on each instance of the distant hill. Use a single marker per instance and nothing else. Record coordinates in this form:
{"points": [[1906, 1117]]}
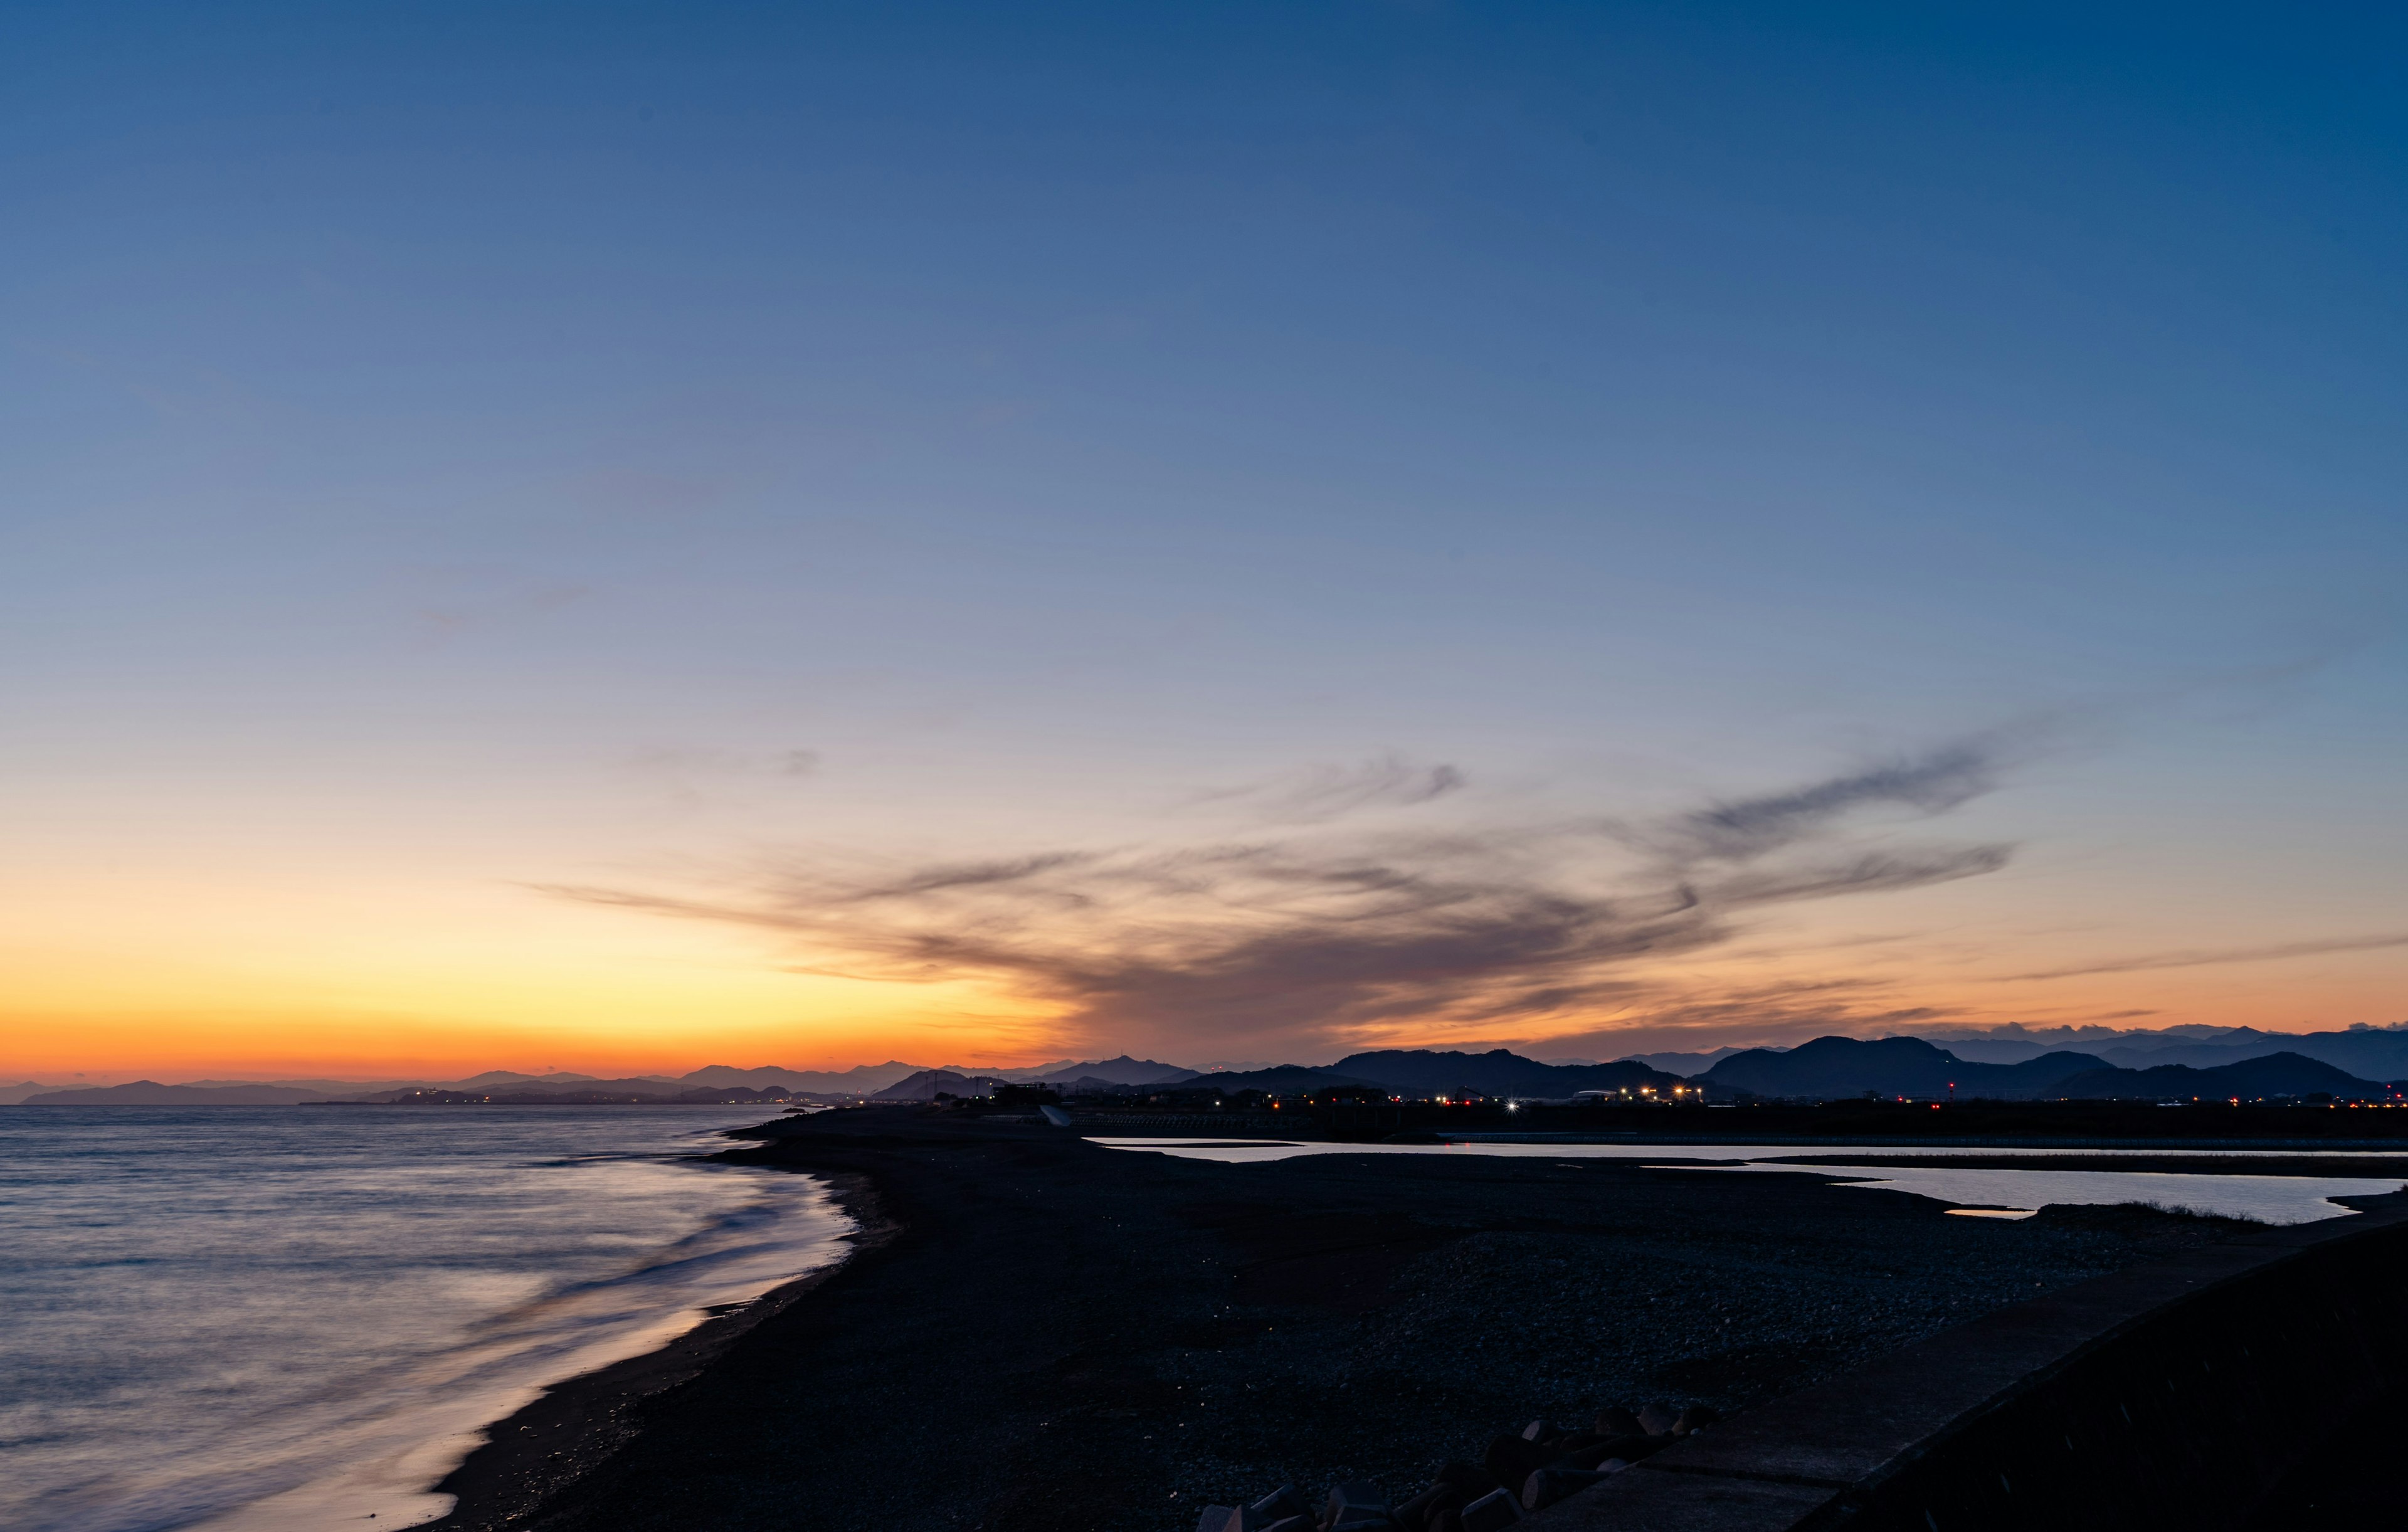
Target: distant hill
{"points": [[150, 1093], [2198, 1055], [2005, 1067], [1089, 1085], [862, 1079], [2276, 1074], [1123, 1070], [1282, 1078], [930, 1083], [1833, 1068], [2001, 1050], [517, 1085], [1497, 1072], [515, 1077], [601, 1093], [1687, 1064], [2373, 1054], [1029, 1073], [2368, 1052], [767, 1080], [523, 1088]]}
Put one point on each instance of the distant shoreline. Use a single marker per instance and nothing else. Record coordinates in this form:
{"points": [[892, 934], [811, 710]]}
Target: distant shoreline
{"points": [[481, 1102], [522, 1102]]}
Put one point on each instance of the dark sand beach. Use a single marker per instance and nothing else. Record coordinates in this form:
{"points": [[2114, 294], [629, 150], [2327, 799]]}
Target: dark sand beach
{"points": [[1036, 1332]]}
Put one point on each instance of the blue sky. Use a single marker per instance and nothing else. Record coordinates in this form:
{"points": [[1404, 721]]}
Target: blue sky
{"points": [[484, 448]]}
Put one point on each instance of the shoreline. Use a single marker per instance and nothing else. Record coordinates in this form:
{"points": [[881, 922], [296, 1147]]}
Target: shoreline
{"points": [[556, 1439], [1043, 1335]]}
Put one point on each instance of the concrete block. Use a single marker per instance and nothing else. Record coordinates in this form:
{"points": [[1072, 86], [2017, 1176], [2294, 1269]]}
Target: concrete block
{"points": [[1280, 1504], [1492, 1512], [1614, 1420], [1549, 1486], [1512, 1460], [1356, 1500], [1414, 1514]]}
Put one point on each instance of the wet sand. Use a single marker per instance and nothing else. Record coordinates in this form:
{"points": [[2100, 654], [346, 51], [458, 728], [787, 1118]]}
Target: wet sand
{"points": [[1038, 1333]]}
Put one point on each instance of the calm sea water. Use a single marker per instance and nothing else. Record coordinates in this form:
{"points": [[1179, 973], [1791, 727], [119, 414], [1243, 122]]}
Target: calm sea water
{"points": [[2268, 1199], [261, 1319]]}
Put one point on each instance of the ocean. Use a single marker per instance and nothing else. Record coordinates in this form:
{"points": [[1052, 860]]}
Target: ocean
{"points": [[290, 1319]]}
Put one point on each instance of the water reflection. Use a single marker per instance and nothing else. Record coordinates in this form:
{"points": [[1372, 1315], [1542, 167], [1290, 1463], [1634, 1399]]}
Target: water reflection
{"points": [[1987, 1191]]}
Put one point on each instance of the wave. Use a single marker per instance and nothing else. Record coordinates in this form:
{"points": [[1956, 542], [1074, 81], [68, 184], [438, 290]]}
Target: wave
{"points": [[238, 1438]]}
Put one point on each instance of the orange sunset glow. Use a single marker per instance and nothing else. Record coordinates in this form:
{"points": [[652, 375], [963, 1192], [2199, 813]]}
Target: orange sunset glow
{"points": [[1212, 768]]}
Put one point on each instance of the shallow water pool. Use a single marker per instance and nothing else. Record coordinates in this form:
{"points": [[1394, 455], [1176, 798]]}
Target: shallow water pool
{"points": [[2268, 1199]]}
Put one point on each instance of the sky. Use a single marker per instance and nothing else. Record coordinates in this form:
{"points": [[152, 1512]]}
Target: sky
{"points": [[624, 536]]}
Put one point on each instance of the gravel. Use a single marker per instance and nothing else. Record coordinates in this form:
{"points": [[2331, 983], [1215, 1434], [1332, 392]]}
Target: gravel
{"points": [[1052, 1336]]}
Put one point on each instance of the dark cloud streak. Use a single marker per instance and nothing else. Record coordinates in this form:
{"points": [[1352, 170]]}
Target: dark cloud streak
{"points": [[1743, 829], [2204, 959], [1299, 939]]}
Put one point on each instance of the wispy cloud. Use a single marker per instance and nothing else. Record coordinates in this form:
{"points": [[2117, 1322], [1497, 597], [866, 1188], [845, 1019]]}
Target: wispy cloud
{"points": [[1745, 829], [2200, 959], [1300, 941], [1318, 795]]}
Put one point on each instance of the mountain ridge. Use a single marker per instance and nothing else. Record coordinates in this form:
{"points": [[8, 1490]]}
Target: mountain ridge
{"points": [[2018, 1067], [1498, 1072], [1836, 1067], [2273, 1074]]}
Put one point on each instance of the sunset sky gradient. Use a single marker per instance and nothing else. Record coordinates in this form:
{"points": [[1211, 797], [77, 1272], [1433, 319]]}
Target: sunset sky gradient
{"points": [[619, 537]]}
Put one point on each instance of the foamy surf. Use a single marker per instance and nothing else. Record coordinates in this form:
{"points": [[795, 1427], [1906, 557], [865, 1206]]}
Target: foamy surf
{"points": [[318, 1340]]}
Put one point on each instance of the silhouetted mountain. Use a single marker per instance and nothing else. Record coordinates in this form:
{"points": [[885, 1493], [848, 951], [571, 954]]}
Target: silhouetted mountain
{"points": [[558, 1093], [930, 1083], [1999, 1050], [2369, 1053], [1833, 1068], [12, 1095], [540, 1085], [1280, 1079], [1686, 1065], [2198, 1055], [1092, 1085], [1497, 1072], [1123, 1070], [516, 1077], [525, 1090], [150, 1093], [2277, 1074], [862, 1079]]}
